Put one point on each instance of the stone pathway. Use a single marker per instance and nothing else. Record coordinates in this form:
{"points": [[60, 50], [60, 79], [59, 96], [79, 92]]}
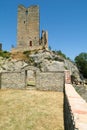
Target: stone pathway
{"points": [[78, 107]]}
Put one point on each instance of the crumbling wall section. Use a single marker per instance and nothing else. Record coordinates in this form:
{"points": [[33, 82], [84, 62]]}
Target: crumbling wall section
{"points": [[44, 39]]}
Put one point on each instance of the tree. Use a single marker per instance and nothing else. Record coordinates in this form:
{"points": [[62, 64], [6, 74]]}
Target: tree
{"points": [[81, 61]]}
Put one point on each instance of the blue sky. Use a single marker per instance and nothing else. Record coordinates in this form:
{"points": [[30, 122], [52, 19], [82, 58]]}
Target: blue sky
{"points": [[65, 21]]}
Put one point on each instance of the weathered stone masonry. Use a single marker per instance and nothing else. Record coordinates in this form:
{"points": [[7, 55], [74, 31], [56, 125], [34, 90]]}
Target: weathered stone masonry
{"points": [[50, 81], [44, 80], [12, 80], [28, 26], [28, 30]]}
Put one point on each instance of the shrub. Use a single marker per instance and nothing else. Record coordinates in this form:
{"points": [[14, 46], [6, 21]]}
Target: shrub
{"points": [[27, 53], [5, 54], [81, 62]]}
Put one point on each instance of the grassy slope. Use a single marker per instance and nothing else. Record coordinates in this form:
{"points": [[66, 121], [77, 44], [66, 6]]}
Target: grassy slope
{"points": [[31, 110]]}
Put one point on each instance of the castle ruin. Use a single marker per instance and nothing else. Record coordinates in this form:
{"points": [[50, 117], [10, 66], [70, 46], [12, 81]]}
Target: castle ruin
{"points": [[28, 30]]}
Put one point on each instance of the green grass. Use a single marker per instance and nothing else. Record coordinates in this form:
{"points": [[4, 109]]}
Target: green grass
{"points": [[31, 110]]}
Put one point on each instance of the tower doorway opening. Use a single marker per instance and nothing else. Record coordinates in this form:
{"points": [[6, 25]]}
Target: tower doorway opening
{"points": [[30, 44]]}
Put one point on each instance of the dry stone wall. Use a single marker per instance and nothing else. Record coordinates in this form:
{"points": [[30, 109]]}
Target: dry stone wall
{"points": [[12, 80], [50, 81], [43, 80]]}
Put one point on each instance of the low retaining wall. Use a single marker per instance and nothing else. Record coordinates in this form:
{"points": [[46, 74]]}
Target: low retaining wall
{"points": [[43, 80], [50, 81], [12, 80], [75, 110]]}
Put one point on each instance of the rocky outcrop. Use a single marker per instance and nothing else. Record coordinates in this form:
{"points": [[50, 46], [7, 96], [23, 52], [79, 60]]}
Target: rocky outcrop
{"points": [[50, 61], [11, 65], [44, 60], [73, 70]]}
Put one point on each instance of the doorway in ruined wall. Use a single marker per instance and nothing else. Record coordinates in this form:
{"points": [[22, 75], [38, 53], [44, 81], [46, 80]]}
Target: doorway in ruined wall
{"points": [[30, 78]]}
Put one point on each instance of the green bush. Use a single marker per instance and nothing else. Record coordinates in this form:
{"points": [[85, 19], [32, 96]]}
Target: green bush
{"points": [[59, 53], [5, 54], [27, 53]]}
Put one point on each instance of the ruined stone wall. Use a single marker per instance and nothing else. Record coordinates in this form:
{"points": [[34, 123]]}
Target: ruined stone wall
{"points": [[28, 27], [12, 80], [50, 81], [42, 80], [44, 39]]}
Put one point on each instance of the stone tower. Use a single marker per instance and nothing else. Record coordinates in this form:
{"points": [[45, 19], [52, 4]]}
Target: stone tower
{"points": [[28, 27], [28, 30]]}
